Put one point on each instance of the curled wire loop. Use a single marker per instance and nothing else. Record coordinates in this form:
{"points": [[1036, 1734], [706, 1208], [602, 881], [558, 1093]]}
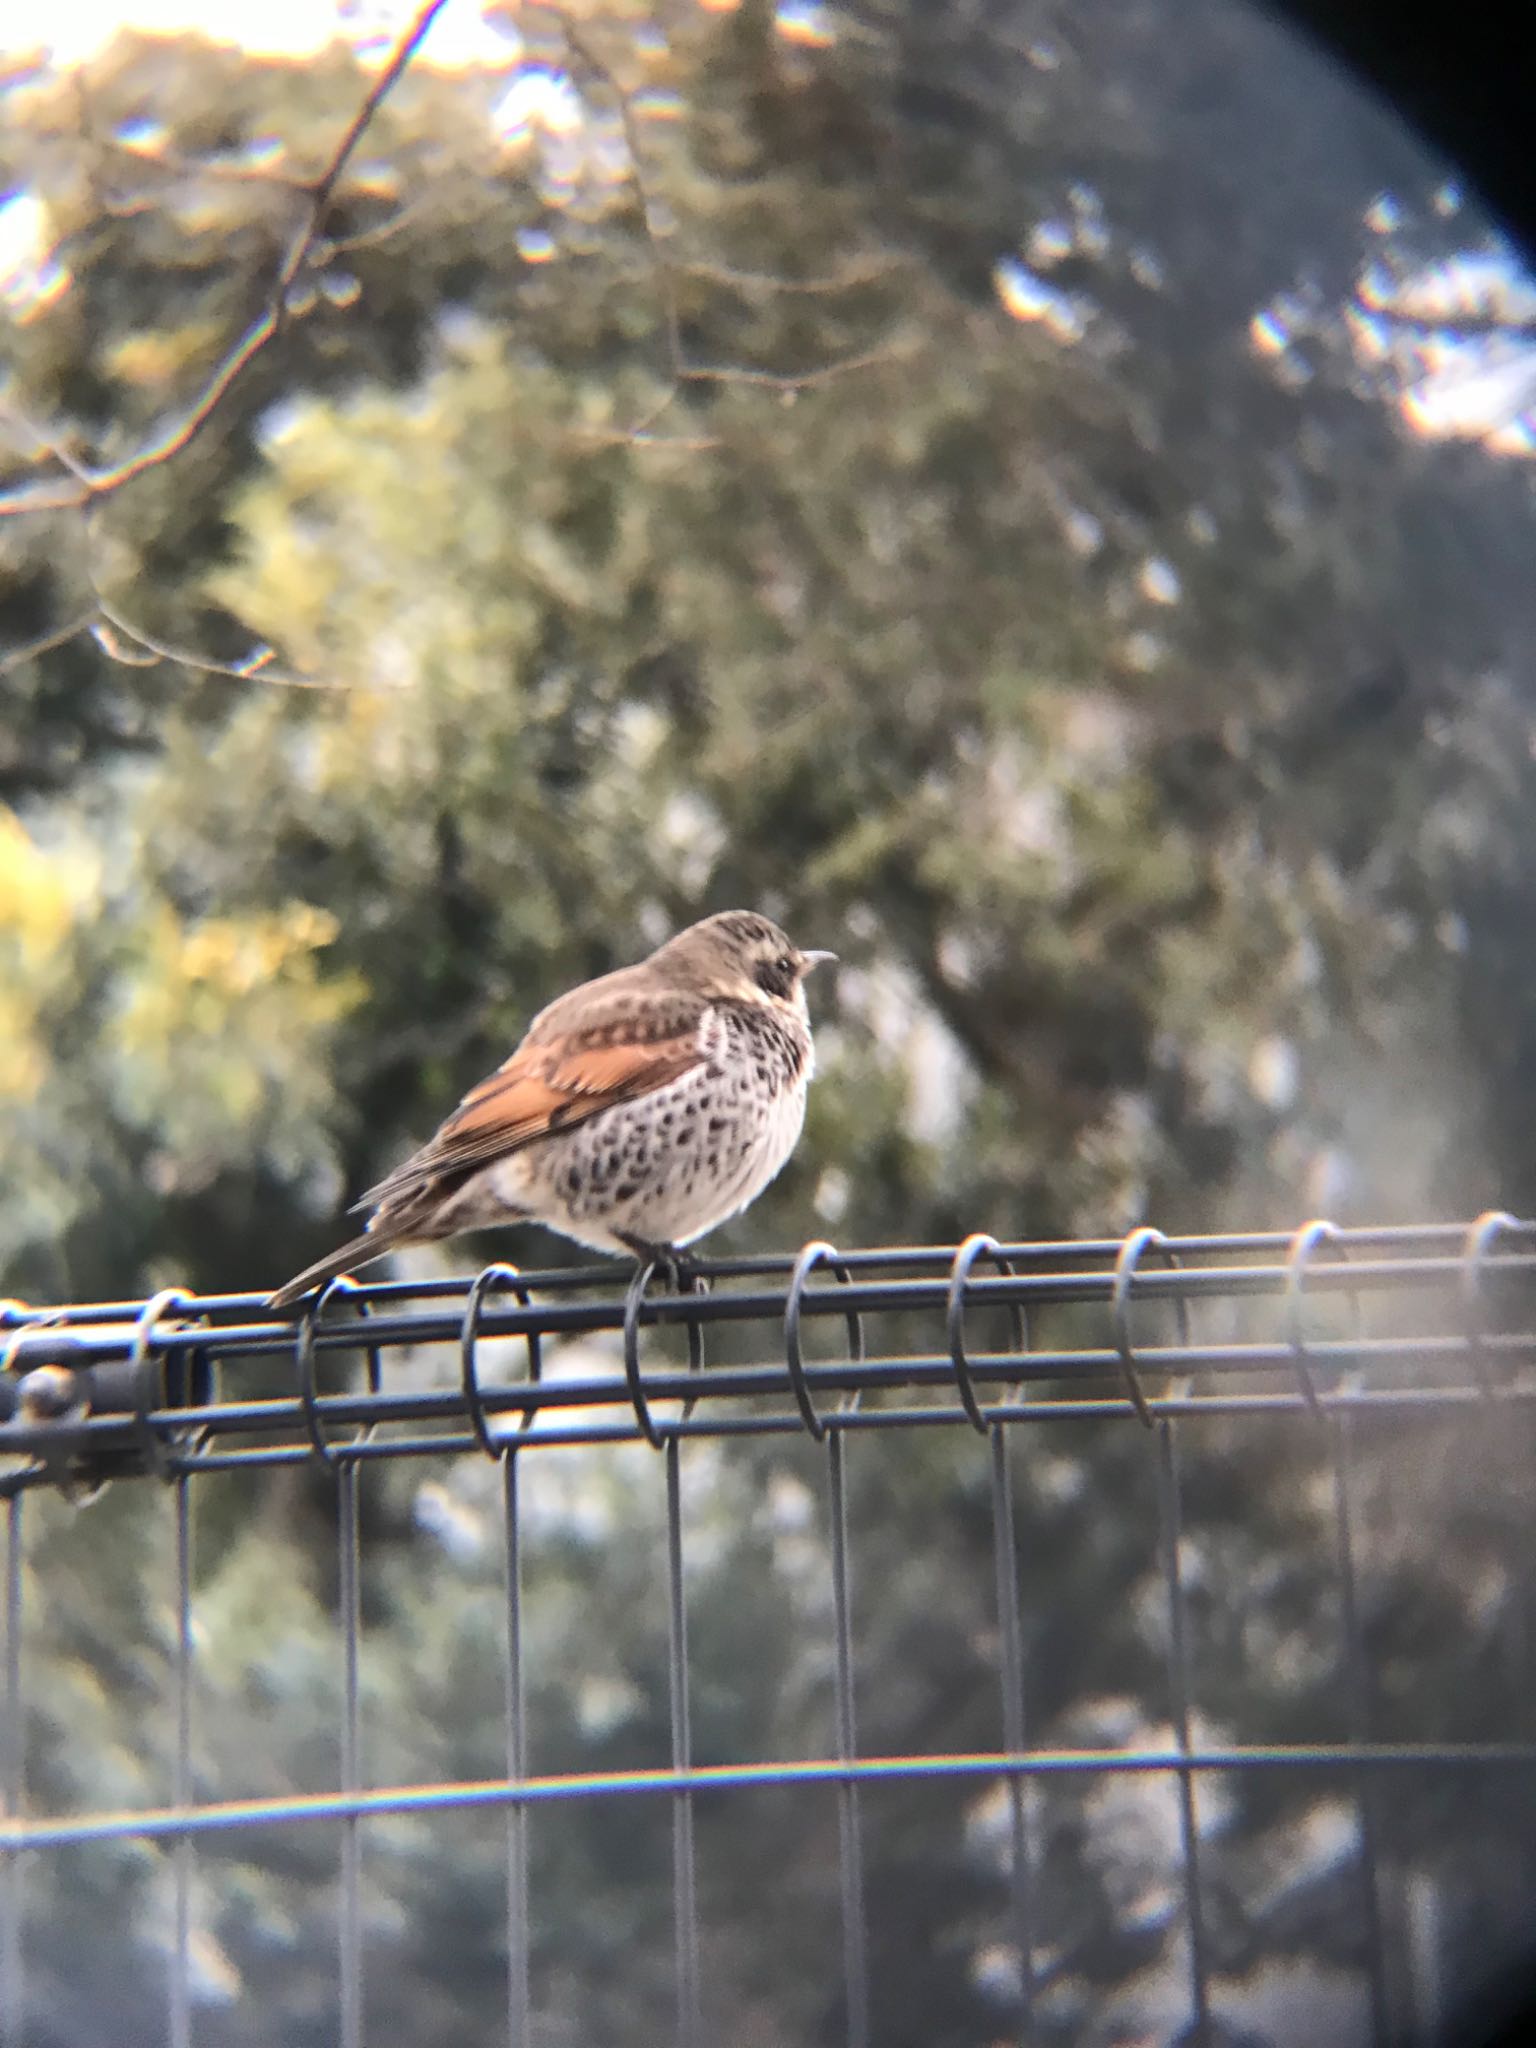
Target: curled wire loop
{"points": [[1309, 1239], [977, 1246], [815, 1254], [1132, 1252], [634, 1300], [494, 1276], [1481, 1237], [17, 1331], [326, 1452], [16, 1318], [147, 1381]]}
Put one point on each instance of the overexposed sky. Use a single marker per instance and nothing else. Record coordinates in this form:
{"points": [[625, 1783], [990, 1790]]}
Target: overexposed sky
{"points": [[72, 30]]}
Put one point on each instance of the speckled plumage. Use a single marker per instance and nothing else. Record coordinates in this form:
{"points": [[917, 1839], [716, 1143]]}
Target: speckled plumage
{"points": [[665, 1167], [640, 1111]]}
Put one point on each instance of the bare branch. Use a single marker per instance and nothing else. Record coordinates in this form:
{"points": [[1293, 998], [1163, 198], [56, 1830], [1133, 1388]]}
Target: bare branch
{"points": [[385, 230], [45, 450], [262, 664], [667, 271], [84, 486], [59, 636], [400, 57], [661, 264], [122, 641], [224, 169], [640, 436], [792, 382]]}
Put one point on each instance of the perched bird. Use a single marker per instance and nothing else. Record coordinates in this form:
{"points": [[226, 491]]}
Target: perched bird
{"points": [[641, 1109]]}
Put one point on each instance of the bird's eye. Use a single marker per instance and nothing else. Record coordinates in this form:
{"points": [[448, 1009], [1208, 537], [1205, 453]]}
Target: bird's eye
{"points": [[777, 977]]}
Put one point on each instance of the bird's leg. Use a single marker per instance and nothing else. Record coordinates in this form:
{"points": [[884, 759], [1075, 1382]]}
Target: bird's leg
{"points": [[681, 1270]]}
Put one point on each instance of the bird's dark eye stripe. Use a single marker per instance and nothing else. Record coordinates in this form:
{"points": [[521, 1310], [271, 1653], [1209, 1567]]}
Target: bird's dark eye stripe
{"points": [[777, 977]]}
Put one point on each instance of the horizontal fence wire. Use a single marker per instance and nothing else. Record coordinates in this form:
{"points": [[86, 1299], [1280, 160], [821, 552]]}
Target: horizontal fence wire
{"points": [[1323, 1319], [1152, 1332], [219, 1817]]}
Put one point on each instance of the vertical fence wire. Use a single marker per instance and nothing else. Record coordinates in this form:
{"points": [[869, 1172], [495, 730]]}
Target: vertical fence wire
{"points": [[1520, 1449], [1383, 1946], [1011, 1672], [1520, 1491], [685, 1904], [850, 1832], [1358, 1712], [1171, 1524], [518, 2010], [180, 2032], [12, 1784], [348, 1596], [1510, 1455]]}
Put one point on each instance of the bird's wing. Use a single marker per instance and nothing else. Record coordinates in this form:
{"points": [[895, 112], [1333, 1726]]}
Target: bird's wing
{"points": [[543, 1088]]}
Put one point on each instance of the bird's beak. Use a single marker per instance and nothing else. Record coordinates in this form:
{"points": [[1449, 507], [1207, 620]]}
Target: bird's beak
{"points": [[810, 960]]}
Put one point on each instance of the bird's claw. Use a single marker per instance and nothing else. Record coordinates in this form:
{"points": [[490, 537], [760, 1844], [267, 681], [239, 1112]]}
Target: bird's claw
{"points": [[682, 1273]]}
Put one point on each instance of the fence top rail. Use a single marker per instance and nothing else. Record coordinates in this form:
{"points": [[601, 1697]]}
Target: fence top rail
{"points": [[1322, 1318]]}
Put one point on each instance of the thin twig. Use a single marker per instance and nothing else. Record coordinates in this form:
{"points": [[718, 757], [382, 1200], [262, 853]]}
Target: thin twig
{"points": [[110, 628], [382, 231], [260, 665], [661, 264], [59, 495], [47, 450], [794, 381], [404, 50], [175, 165], [632, 437], [751, 281], [667, 271], [638, 430], [30, 650]]}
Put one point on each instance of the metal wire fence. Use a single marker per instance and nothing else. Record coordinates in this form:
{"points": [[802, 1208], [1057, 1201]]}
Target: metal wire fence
{"points": [[1344, 1328]]}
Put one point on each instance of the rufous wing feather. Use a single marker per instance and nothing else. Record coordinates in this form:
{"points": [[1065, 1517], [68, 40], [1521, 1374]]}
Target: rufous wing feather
{"points": [[541, 1088]]}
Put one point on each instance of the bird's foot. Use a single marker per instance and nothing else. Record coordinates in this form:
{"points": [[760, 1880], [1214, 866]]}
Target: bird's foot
{"points": [[682, 1272]]}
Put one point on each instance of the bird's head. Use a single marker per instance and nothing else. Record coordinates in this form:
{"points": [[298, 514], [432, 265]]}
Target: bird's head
{"points": [[744, 957]]}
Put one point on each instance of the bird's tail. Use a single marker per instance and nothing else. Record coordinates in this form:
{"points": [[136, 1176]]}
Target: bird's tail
{"points": [[357, 1251]]}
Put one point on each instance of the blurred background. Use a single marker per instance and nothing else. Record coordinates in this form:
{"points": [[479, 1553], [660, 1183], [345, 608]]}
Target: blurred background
{"points": [[1037, 496]]}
